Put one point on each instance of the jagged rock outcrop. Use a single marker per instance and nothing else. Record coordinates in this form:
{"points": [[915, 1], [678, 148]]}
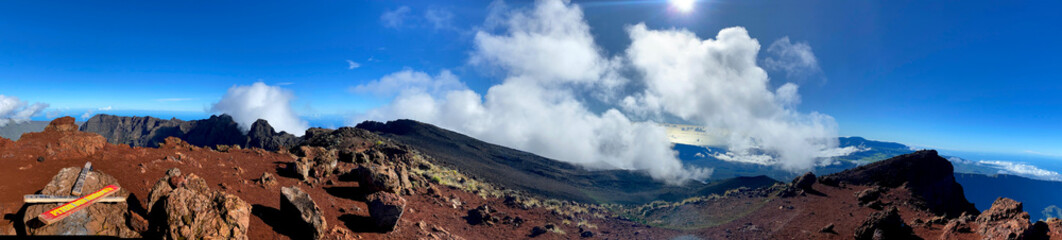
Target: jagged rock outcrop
{"points": [[885, 224], [1005, 220], [216, 130], [182, 206], [296, 204], [347, 141], [386, 209], [61, 140], [926, 174], [99, 219], [262, 135], [315, 162]]}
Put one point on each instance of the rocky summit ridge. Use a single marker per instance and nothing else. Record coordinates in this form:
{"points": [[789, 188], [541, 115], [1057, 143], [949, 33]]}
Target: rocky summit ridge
{"points": [[399, 181]]}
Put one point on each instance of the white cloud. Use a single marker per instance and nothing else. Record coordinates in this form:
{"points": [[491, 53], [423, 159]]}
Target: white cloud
{"points": [[247, 104], [107, 108], [716, 83], [87, 114], [550, 62], [410, 82], [352, 65], [13, 110], [440, 18], [1021, 169], [395, 18], [536, 108], [795, 59]]}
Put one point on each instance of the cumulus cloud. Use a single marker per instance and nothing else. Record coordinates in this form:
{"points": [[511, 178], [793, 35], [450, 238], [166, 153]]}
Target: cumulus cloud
{"points": [[536, 107], [549, 63], [395, 18], [14, 110], [352, 64], [716, 83], [247, 104], [795, 59]]}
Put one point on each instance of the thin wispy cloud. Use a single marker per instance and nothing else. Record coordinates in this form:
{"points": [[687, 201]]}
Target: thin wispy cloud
{"points": [[797, 59], [395, 18], [351, 64], [107, 108], [440, 19]]}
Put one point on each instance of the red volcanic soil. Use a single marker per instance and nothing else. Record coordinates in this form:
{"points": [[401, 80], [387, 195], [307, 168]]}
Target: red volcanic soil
{"points": [[427, 215], [236, 171]]}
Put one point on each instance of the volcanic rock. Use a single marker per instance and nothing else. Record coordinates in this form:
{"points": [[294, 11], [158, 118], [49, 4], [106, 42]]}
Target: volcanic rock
{"points": [[885, 224], [827, 229], [804, 182], [267, 180], [1004, 220], [193, 211], [263, 136], [535, 231], [386, 209], [374, 178], [61, 140], [868, 195], [217, 130], [315, 162], [99, 219], [482, 215], [927, 175], [296, 204]]}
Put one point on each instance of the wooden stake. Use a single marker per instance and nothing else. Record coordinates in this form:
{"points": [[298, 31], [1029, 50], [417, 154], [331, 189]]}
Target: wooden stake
{"points": [[80, 182]]}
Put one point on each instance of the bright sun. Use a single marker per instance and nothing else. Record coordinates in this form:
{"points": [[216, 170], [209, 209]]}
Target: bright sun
{"points": [[683, 5]]}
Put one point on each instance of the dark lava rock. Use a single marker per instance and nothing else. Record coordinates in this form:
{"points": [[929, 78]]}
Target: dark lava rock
{"points": [[386, 209], [587, 234], [193, 211], [537, 231], [868, 195], [262, 135], [885, 224], [482, 215], [927, 175], [296, 204], [217, 130], [804, 182], [40, 158], [99, 219]]}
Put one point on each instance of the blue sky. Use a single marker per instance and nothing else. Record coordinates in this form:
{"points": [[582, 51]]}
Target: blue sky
{"points": [[975, 76]]}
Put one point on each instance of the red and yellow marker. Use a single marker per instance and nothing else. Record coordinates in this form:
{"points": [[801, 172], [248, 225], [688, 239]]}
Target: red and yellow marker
{"points": [[65, 210]]}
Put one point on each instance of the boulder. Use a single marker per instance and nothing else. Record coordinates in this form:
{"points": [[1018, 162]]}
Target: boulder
{"points": [[885, 224], [868, 195], [1004, 220], [386, 209], [99, 219], [267, 180], [296, 204], [482, 215], [804, 182], [190, 210], [373, 178]]}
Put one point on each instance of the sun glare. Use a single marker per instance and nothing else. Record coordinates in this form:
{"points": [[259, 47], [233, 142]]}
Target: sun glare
{"points": [[683, 5]]}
